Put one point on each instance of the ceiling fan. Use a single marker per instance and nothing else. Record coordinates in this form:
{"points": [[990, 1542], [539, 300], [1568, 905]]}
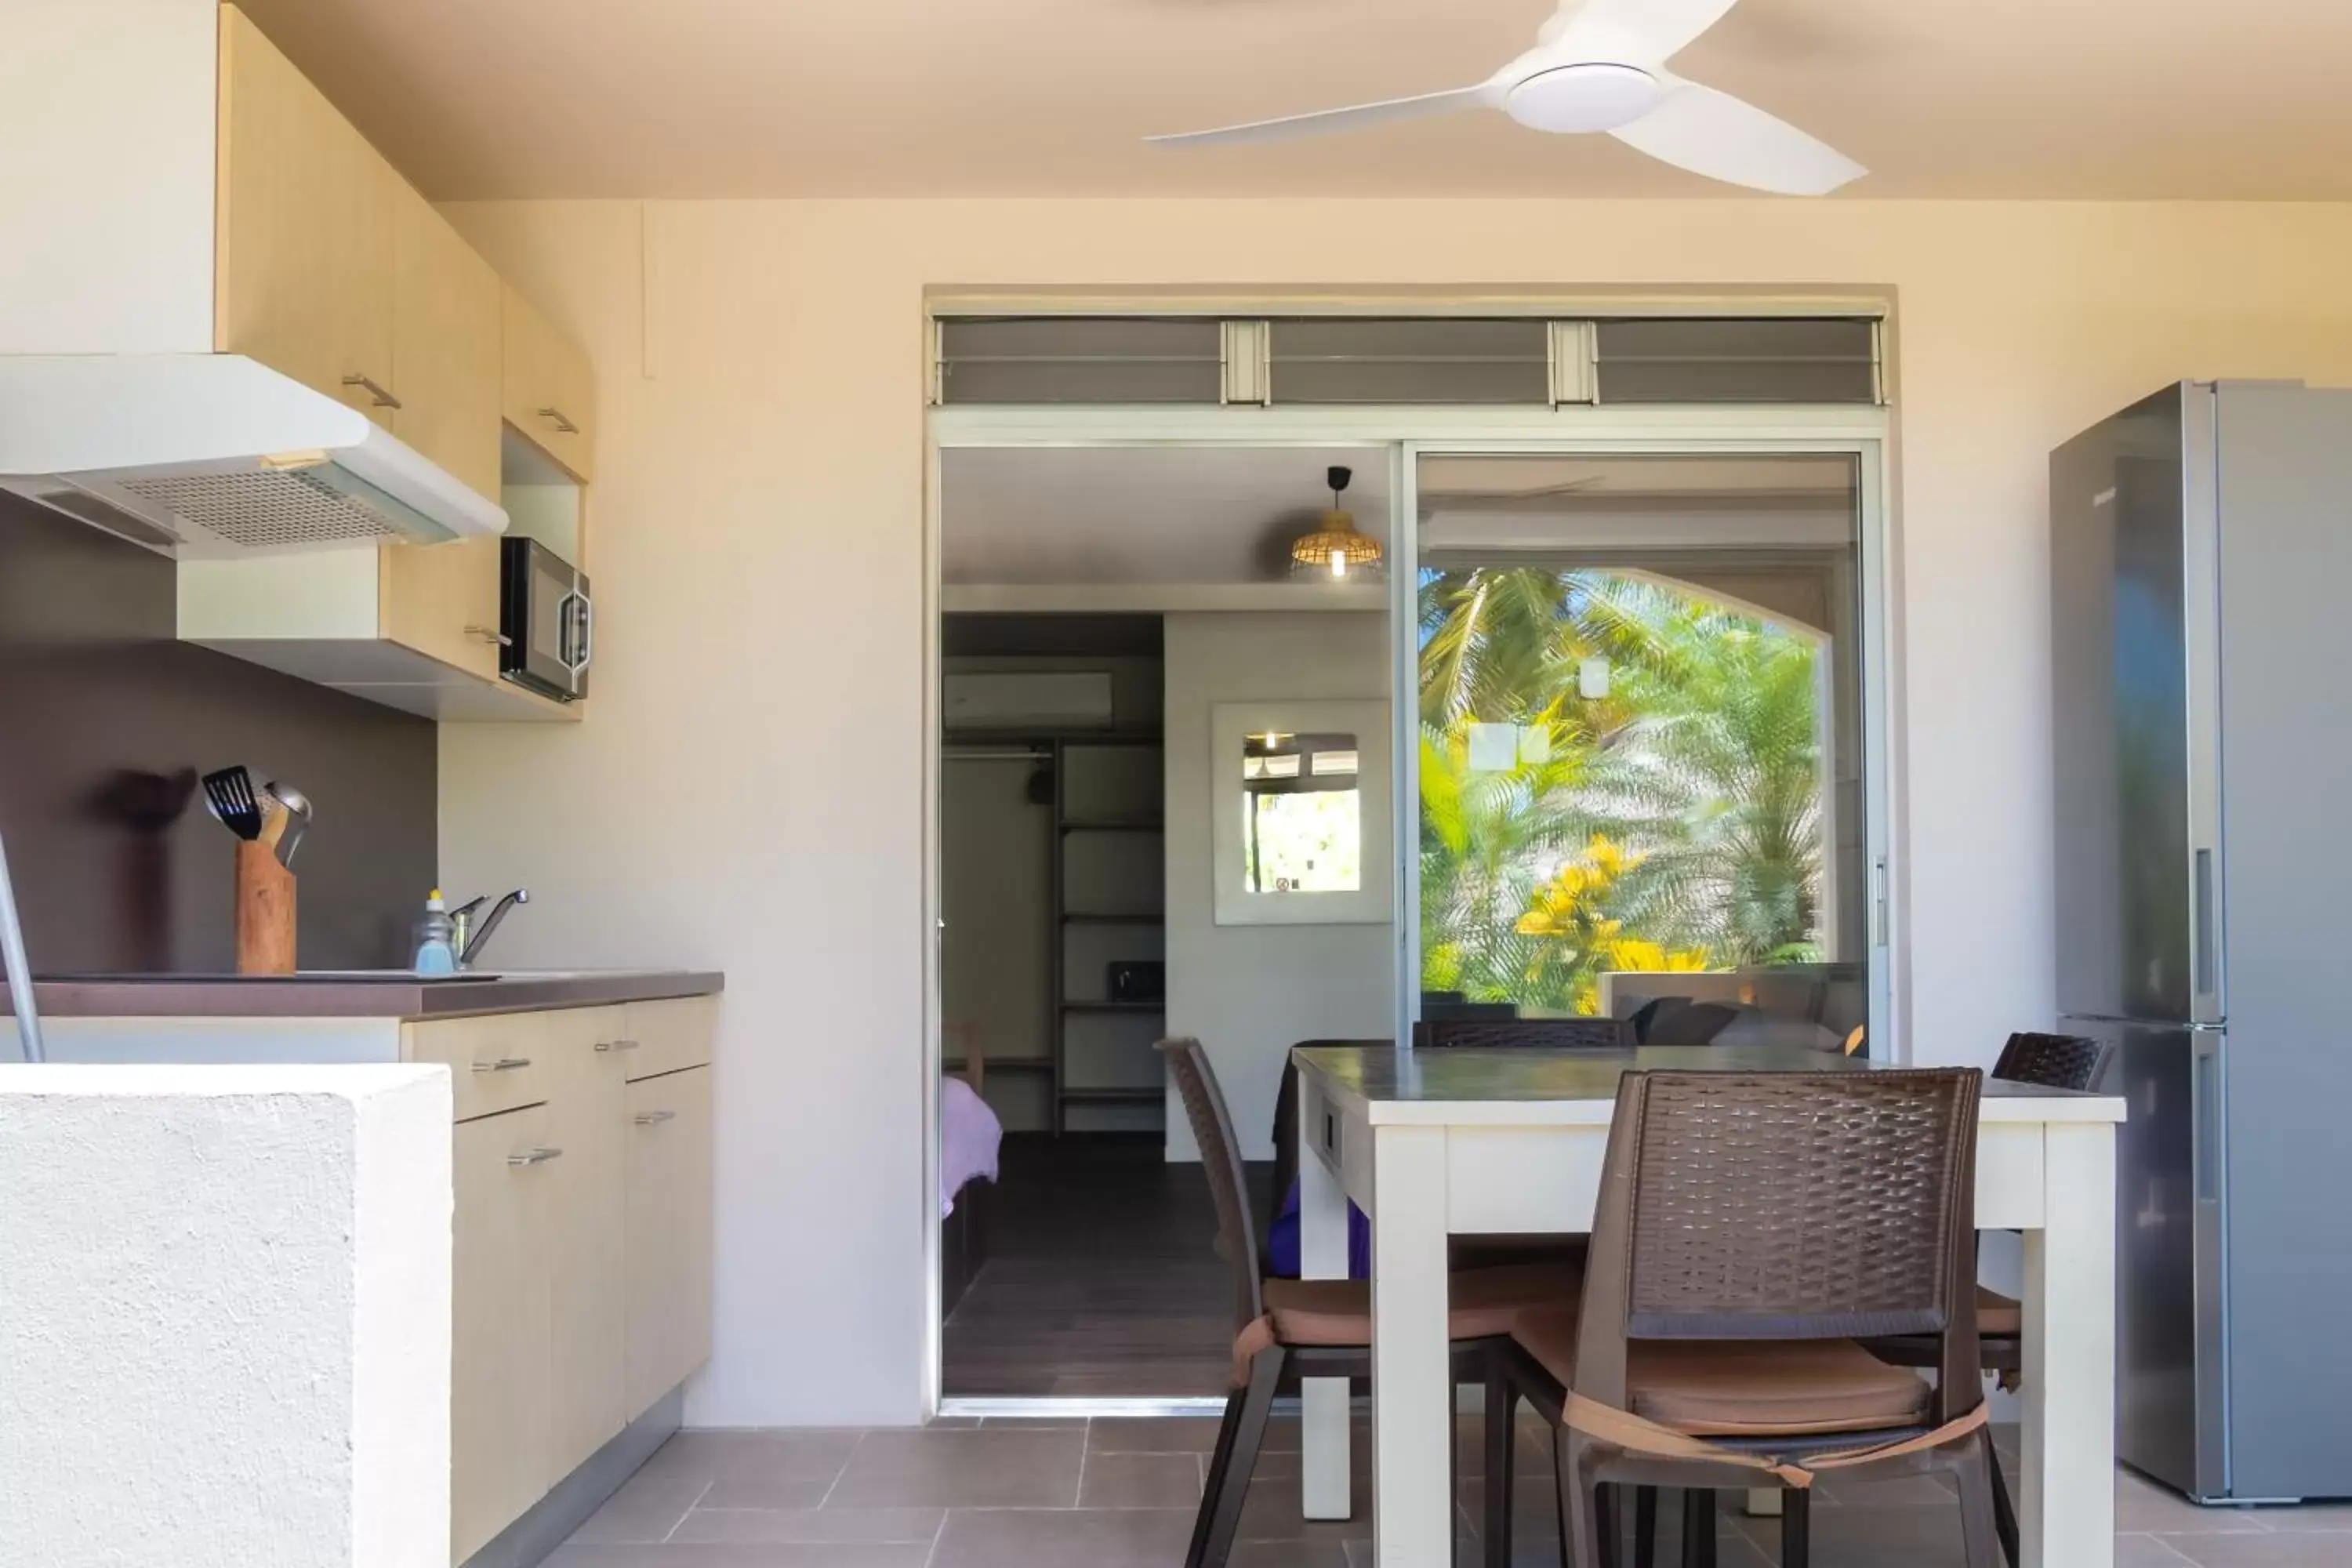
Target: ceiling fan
{"points": [[1599, 65]]}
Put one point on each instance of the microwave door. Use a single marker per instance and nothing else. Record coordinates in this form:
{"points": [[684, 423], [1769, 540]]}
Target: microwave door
{"points": [[546, 646]]}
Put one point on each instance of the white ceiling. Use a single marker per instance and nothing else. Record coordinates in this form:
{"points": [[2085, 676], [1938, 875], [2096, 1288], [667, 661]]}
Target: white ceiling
{"points": [[692, 98], [1143, 514]]}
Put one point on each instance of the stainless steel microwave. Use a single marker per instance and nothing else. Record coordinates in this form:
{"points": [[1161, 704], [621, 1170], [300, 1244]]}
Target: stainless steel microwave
{"points": [[547, 621]]}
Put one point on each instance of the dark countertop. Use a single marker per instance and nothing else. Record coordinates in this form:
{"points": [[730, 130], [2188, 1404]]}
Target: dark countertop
{"points": [[372, 994]]}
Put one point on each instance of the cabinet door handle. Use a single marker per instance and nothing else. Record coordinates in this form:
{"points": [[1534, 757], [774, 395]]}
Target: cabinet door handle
{"points": [[502, 1064], [491, 635], [655, 1118], [556, 417], [376, 393], [617, 1044], [534, 1157]]}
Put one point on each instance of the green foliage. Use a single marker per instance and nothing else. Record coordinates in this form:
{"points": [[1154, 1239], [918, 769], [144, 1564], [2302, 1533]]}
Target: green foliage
{"points": [[1673, 823]]}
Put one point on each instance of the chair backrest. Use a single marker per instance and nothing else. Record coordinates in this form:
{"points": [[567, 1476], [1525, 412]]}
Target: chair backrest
{"points": [[1781, 1205], [1512, 1033], [2054, 1061], [1221, 1158], [1692, 1024]]}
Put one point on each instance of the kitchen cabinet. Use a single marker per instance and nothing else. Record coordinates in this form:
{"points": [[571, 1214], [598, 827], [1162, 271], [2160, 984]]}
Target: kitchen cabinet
{"points": [[587, 1337], [582, 1276], [448, 343], [331, 268], [549, 394], [502, 1303], [668, 1232], [303, 229]]}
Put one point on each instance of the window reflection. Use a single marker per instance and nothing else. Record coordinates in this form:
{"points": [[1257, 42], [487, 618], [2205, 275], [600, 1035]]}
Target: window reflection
{"points": [[1302, 812]]}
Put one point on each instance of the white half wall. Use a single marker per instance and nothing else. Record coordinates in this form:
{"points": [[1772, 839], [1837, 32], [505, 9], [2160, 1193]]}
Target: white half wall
{"points": [[225, 1316], [1249, 992]]}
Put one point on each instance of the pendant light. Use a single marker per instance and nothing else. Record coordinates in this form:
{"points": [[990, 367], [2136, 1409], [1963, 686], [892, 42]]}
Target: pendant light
{"points": [[1336, 551]]}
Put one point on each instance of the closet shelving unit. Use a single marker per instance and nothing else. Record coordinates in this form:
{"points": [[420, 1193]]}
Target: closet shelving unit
{"points": [[1109, 895]]}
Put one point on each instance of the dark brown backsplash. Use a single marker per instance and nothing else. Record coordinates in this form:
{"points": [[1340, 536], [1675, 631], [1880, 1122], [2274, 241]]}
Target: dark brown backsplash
{"points": [[105, 717]]}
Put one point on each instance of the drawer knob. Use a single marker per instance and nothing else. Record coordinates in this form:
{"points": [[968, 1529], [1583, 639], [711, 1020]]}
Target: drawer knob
{"points": [[617, 1044], [502, 1064], [655, 1118], [534, 1157]]}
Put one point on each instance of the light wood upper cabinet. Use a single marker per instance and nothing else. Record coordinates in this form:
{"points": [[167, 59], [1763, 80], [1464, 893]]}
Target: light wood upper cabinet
{"points": [[446, 343], [551, 394], [502, 1305], [303, 230]]}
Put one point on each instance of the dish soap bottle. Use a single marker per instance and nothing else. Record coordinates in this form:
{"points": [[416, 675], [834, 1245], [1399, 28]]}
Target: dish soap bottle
{"points": [[434, 952]]}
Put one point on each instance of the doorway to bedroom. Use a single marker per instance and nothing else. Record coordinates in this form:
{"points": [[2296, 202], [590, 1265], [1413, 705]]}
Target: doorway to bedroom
{"points": [[1125, 645]]}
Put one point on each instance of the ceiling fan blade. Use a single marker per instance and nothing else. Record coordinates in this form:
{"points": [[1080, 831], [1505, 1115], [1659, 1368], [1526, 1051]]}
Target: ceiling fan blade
{"points": [[1716, 135], [1653, 30], [1330, 120]]}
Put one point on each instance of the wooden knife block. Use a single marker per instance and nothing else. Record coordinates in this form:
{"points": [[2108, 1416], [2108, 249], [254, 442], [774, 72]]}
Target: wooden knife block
{"points": [[264, 910]]}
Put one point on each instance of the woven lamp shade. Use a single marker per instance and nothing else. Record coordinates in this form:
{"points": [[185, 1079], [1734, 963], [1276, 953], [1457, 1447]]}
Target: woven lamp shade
{"points": [[1334, 549]]}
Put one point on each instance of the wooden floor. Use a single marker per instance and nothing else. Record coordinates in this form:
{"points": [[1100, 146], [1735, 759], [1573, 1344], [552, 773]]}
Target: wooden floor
{"points": [[1101, 1278]]}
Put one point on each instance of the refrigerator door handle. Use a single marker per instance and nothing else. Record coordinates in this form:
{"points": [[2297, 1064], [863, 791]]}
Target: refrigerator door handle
{"points": [[2203, 959], [2206, 1132]]}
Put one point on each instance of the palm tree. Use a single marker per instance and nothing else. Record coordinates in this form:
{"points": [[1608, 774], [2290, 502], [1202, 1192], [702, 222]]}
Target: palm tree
{"points": [[1673, 822]]}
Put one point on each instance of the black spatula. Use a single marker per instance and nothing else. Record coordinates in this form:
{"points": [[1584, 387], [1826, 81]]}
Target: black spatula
{"points": [[230, 794]]}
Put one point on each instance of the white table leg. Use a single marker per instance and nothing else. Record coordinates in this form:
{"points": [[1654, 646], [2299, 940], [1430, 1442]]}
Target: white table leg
{"points": [[2066, 1485], [1413, 1377], [1323, 1470]]}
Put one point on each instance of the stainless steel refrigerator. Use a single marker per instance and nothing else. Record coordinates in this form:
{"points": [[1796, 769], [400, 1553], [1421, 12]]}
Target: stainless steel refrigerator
{"points": [[2202, 569]]}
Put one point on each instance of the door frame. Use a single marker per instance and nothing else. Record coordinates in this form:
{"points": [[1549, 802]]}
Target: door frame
{"points": [[1407, 432]]}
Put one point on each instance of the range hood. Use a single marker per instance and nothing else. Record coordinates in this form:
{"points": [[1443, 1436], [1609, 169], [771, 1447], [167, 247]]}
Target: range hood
{"points": [[217, 457]]}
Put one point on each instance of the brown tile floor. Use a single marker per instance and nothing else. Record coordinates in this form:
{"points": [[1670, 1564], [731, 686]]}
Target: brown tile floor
{"points": [[1121, 1493], [1101, 1277]]}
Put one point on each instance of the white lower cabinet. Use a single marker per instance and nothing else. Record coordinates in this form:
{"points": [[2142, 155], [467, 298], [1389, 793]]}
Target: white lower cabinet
{"points": [[668, 1231], [581, 1269], [585, 1250], [503, 1301]]}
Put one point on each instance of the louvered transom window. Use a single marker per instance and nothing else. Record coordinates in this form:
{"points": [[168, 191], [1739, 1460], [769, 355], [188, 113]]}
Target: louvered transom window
{"points": [[1422, 360], [1082, 359], [1775, 360], [1330, 360]]}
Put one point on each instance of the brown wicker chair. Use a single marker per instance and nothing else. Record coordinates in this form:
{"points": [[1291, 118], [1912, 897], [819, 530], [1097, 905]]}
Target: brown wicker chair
{"points": [[2054, 1061], [1751, 1227], [2050, 1062], [1524, 1033], [1289, 1328]]}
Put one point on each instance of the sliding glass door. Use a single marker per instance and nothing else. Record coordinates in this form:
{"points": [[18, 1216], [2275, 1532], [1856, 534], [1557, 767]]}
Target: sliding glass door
{"points": [[1636, 687]]}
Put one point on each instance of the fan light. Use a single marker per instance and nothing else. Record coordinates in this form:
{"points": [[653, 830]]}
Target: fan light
{"points": [[1582, 98], [1335, 549]]}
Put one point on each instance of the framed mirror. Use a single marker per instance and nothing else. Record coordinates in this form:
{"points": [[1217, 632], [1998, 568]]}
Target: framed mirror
{"points": [[1301, 806]]}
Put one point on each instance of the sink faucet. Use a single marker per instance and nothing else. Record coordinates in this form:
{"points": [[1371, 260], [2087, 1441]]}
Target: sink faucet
{"points": [[470, 940]]}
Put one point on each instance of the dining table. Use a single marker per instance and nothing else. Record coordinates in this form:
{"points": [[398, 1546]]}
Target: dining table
{"points": [[1437, 1144]]}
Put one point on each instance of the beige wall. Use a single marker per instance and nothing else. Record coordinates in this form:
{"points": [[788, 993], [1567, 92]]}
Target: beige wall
{"points": [[758, 559], [1249, 992]]}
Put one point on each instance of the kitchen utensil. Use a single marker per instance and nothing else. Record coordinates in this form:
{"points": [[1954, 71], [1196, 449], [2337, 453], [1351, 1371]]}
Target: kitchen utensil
{"points": [[299, 813], [229, 793]]}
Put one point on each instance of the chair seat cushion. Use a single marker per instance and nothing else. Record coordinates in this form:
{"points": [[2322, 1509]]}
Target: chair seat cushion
{"points": [[1998, 1315], [1748, 1388], [1484, 1302]]}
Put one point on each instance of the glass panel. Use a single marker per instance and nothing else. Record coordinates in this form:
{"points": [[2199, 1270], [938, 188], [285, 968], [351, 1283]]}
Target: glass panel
{"points": [[1789, 360], [1322, 360], [1302, 814], [1081, 359], [1640, 749]]}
